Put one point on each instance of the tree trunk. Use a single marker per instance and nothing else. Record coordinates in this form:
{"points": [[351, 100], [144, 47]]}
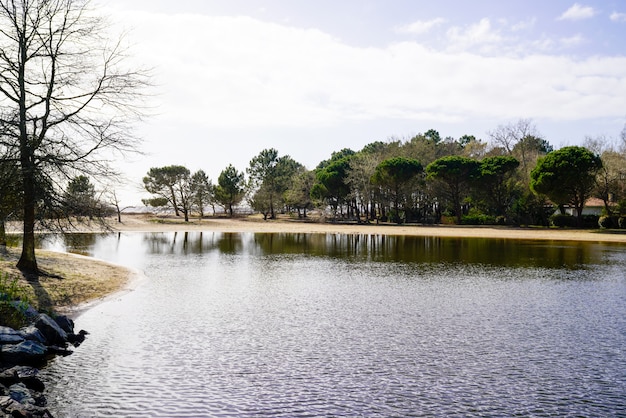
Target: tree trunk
{"points": [[3, 234], [28, 262]]}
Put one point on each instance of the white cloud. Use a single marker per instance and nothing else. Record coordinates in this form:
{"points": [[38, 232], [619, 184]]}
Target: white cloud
{"points": [[480, 34], [572, 41], [618, 17], [223, 71], [577, 12], [524, 25], [421, 26]]}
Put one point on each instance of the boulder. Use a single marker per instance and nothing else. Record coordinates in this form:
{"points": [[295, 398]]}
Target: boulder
{"points": [[20, 393], [29, 376], [77, 339], [10, 336], [65, 323], [31, 333], [51, 330], [26, 352]]}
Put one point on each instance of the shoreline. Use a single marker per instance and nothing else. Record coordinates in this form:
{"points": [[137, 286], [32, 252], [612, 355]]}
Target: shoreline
{"points": [[151, 223], [86, 282]]}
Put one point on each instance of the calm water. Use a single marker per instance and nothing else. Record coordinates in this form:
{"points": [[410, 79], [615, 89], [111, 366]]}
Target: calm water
{"points": [[302, 325]]}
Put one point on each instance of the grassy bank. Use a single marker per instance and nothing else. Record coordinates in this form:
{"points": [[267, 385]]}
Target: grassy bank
{"points": [[67, 280]]}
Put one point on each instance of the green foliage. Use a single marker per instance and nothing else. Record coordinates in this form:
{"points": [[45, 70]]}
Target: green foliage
{"points": [[345, 153], [563, 220], [10, 289], [229, 191], [395, 172], [621, 222], [476, 217], [590, 221], [332, 182], [80, 197], [270, 177], [173, 184], [156, 202], [567, 176], [494, 183], [201, 190], [396, 177], [12, 314], [456, 173]]}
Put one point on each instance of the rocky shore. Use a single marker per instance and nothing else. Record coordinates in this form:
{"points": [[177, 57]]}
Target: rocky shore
{"points": [[22, 351]]}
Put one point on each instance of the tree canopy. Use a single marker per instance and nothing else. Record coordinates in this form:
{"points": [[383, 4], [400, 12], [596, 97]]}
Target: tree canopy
{"points": [[230, 188], [171, 183], [455, 172], [567, 176], [396, 175]]}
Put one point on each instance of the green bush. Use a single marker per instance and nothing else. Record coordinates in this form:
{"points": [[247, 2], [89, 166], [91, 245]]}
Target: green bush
{"points": [[478, 219], [561, 221], [590, 221], [10, 289], [621, 222], [12, 316]]}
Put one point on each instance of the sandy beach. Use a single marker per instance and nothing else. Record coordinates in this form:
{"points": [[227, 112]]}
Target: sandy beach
{"points": [[73, 282], [150, 223]]}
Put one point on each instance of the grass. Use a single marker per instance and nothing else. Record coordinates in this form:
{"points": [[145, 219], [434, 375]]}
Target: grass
{"points": [[11, 291], [68, 281]]}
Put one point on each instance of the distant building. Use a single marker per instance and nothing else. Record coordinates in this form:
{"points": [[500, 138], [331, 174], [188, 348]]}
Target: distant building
{"points": [[593, 206]]}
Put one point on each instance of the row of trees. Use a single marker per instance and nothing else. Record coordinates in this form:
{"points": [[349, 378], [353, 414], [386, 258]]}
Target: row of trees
{"points": [[515, 178]]}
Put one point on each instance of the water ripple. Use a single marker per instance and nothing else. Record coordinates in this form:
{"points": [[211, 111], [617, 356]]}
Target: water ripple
{"points": [[242, 335]]}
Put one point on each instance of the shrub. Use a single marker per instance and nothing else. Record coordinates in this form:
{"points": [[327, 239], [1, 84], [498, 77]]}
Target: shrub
{"points": [[561, 221], [621, 222], [12, 316], [590, 221], [478, 219]]}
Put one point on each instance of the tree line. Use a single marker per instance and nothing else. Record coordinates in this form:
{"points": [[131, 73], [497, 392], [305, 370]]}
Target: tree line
{"points": [[516, 178]]}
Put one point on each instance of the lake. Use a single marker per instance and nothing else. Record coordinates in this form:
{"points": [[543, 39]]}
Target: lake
{"points": [[321, 325]]}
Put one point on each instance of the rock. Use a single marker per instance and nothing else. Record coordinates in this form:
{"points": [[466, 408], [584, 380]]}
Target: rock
{"points": [[65, 323], [51, 330], [59, 351], [31, 333], [27, 352], [29, 376], [20, 393], [10, 336], [77, 339]]}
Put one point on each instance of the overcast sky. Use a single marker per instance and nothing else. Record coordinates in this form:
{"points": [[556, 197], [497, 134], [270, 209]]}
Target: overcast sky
{"points": [[312, 77]]}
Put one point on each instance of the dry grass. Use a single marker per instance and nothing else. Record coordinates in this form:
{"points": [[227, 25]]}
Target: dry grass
{"points": [[68, 280]]}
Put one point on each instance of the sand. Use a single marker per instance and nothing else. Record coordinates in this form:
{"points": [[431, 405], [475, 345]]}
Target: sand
{"points": [[73, 282]]}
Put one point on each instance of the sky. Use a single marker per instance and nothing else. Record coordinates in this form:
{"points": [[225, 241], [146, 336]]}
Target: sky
{"points": [[309, 78]]}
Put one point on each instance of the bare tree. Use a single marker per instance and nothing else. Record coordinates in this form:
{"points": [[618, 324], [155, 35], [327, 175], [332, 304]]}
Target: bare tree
{"points": [[522, 140], [66, 95]]}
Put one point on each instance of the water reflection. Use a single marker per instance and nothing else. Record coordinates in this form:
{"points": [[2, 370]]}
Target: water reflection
{"points": [[301, 325], [355, 247]]}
